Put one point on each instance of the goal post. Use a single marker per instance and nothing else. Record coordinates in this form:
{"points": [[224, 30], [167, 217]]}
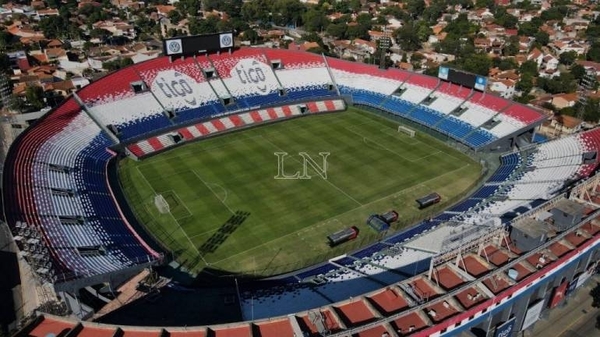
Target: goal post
{"points": [[161, 204], [408, 131]]}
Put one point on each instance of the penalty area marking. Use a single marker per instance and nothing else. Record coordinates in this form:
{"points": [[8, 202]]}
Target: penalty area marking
{"points": [[213, 192], [222, 189], [171, 214], [366, 140], [180, 201]]}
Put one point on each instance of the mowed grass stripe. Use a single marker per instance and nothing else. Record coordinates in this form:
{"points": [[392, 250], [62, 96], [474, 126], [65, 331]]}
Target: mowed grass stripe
{"points": [[290, 219]]}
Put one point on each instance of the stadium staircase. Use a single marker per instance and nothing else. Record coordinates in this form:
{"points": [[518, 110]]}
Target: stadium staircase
{"points": [[228, 95], [402, 85], [473, 133], [450, 115], [273, 70], [333, 82], [148, 85]]}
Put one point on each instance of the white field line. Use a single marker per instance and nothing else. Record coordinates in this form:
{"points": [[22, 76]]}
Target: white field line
{"points": [[326, 180], [171, 214], [366, 139], [213, 192], [408, 189], [181, 202]]}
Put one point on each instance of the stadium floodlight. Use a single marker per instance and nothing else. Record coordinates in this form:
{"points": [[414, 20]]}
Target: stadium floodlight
{"points": [[384, 45]]}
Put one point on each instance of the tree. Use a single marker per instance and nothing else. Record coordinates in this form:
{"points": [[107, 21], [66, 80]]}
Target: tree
{"points": [[525, 84], [35, 97], [189, 7], [203, 26], [433, 71], [357, 31], [593, 31], [460, 27], [175, 16], [288, 12], [337, 30], [506, 64], [485, 4], [315, 20], [478, 64], [354, 5], [433, 12], [511, 49], [529, 67], [416, 7], [528, 28], [407, 37], [593, 53], [317, 50], [565, 82], [117, 64], [17, 104], [507, 20], [5, 40], [364, 19], [591, 112], [542, 38], [567, 58], [52, 27], [257, 10], [424, 31], [578, 71], [313, 37], [554, 13], [5, 64], [251, 35]]}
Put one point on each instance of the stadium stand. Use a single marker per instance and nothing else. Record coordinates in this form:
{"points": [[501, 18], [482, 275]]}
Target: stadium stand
{"points": [[371, 88], [59, 186], [85, 217], [223, 124]]}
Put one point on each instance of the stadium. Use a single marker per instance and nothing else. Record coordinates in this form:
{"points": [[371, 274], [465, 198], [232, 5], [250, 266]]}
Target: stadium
{"points": [[116, 179]]}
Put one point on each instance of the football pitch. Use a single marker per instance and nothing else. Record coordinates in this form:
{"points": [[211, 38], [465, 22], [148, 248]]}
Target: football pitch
{"points": [[227, 211]]}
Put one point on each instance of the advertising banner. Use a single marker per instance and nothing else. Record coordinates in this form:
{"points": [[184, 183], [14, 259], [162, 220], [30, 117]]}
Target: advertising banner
{"points": [[533, 314]]}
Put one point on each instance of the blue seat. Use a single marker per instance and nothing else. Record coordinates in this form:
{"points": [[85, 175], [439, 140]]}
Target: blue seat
{"points": [[370, 250], [426, 116]]}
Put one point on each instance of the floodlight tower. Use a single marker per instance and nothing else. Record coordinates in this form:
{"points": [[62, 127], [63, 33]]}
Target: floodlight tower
{"points": [[384, 45], [587, 84]]}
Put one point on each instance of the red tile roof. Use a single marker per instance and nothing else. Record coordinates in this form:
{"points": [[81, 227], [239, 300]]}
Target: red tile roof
{"points": [[275, 328], [389, 301]]}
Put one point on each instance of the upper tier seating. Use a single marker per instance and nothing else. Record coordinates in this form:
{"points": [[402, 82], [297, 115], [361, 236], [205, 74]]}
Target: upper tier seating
{"points": [[590, 142], [68, 138]]}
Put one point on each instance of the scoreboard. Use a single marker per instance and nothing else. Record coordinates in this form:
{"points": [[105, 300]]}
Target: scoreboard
{"points": [[462, 78], [197, 44]]}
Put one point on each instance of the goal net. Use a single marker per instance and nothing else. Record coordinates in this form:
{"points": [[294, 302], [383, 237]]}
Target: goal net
{"points": [[404, 129], [161, 204]]}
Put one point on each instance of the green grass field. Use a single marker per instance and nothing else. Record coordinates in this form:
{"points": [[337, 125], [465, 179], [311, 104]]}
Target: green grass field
{"points": [[228, 212]]}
